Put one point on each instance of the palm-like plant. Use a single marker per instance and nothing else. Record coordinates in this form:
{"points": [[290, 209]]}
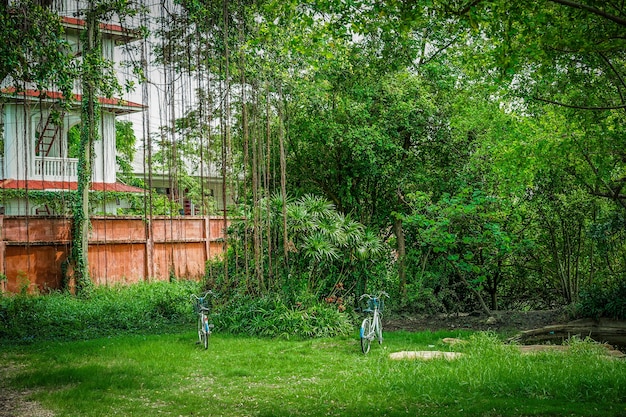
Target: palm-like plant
{"points": [[325, 245]]}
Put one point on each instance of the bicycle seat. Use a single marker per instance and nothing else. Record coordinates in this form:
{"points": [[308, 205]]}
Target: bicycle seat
{"points": [[368, 310]]}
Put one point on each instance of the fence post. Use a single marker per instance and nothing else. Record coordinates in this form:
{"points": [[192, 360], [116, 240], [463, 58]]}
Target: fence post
{"points": [[149, 251]]}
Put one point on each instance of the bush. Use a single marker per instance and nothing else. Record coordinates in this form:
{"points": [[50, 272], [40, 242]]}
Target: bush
{"points": [[144, 307], [603, 301], [158, 307], [271, 316]]}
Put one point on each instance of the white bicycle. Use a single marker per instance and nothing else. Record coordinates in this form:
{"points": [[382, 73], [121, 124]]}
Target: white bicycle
{"points": [[372, 327], [201, 307]]}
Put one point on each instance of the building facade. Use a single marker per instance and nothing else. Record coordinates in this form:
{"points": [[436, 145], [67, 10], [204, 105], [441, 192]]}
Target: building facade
{"points": [[36, 153]]}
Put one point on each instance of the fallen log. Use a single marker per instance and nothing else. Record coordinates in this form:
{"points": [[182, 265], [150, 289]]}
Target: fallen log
{"points": [[601, 330]]}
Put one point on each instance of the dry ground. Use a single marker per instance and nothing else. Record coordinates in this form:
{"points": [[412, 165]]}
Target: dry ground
{"points": [[14, 403], [510, 321]]}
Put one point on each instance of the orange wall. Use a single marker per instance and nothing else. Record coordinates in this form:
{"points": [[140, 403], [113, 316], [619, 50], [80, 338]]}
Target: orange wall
{"points": [[121, 249]]}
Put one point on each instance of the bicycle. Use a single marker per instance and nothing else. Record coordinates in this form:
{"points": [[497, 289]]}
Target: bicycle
{"points": [[372, 327], [200, 305]]}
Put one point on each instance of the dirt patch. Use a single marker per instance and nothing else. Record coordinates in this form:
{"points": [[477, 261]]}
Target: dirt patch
{"points": [[500, 321], [15, 403]]}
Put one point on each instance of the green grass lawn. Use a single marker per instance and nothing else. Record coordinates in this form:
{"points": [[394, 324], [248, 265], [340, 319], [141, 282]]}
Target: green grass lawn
{"points": [[169, 375]]}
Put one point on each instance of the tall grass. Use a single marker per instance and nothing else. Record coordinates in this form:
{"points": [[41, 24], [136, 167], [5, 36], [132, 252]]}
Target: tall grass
{"points": [[73, 371]]}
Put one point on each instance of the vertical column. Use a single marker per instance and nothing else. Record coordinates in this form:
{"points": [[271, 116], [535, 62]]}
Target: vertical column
{"points": [[207, 238], [3, 281], [149, 271]]}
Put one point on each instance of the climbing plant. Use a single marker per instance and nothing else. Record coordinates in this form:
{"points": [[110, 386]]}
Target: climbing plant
{"points": [[97, 79]]}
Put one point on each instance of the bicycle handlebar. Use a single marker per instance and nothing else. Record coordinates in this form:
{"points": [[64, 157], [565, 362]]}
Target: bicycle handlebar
{"points": [[371, 297], [203, 297]]}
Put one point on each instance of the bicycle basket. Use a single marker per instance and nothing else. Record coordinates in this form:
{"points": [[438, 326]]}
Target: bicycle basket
{"points": [[372, 303], [199, 304]]}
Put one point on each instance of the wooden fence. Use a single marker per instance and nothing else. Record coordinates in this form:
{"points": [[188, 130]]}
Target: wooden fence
{"points": [[121, 249]]}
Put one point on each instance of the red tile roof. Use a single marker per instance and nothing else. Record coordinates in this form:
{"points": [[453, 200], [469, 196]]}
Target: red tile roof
{"points": [[40, 185], [121, 32], [116, 104]]}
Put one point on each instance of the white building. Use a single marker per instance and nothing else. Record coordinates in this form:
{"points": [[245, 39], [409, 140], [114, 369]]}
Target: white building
{"points": [[35, 152]]}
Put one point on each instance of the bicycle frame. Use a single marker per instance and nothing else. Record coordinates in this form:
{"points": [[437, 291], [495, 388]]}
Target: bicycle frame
{"points": [[375, 325], [204, 328], [371, 327]]}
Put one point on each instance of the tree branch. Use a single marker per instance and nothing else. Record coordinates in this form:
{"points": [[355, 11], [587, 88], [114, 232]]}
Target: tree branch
{"points": [[571, 106], [467, 8], [613, 194], [617, 75], [569, 3], [610, 196], [437, 52], [460, 12]]}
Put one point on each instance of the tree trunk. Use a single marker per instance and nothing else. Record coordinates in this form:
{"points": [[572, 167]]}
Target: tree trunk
{"points": [[246, 155], [283, 176], [401, 249], [267, 176], [492, 286], [494, 300], [479, 297], [226, 131], [89, 116]]}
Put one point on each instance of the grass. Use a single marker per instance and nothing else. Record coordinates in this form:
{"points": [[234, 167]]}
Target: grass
{"points": [[169, 375]]}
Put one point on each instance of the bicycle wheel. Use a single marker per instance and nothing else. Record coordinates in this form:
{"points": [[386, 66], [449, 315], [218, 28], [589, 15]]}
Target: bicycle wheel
{"points": [[200, 328], [366, 334], [205, 340], [379, 330], [205, 331]]}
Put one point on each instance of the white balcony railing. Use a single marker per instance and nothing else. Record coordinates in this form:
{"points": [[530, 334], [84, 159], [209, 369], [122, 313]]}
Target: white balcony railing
{"points": [[56, 169]]}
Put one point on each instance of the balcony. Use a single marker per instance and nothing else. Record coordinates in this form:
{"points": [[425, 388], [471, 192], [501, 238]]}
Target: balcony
{"points": [[56, 169]]}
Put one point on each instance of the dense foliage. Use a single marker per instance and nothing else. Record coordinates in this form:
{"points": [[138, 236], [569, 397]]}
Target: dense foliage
{"points": [[160, 307], [479, 141], [460, 154], [313, 250]]}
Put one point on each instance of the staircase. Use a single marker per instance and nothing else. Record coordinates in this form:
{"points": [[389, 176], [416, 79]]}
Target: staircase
{"points": [[43, 210], [49, 133]]}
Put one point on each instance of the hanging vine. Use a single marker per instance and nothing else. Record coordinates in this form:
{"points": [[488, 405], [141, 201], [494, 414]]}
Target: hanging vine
{"points": [[225, 124]]}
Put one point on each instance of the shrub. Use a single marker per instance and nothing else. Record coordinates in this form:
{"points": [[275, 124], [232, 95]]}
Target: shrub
{"points": [[144, 307], [603, 301], [271, 316]]}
